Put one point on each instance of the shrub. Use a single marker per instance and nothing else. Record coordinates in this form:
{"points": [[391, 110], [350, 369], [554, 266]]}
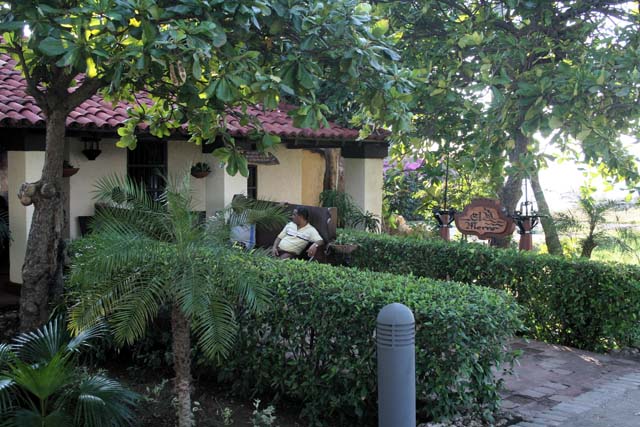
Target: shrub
{"points": [[315, 343], [585, 304]]}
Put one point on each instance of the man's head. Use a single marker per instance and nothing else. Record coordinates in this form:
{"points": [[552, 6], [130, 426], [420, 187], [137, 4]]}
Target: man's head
{"points": [[300, 216]]}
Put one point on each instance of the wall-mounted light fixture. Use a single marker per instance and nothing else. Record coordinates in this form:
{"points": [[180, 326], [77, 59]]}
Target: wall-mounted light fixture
{"points": [[91, 147]]}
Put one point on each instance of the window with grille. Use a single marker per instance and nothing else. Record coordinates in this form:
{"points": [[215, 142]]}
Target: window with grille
{"points": [[147, 164], [252, 182]]}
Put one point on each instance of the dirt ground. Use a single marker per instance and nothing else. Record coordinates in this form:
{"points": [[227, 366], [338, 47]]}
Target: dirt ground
{"points": [[214, 406]]}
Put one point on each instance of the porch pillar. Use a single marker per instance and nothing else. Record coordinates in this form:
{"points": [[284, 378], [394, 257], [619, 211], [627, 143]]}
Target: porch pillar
{"points": [[363, 180], [23, 166], [221, 187]]}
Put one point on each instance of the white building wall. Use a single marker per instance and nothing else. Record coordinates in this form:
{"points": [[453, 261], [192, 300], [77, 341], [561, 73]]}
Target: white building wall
{"points": [[363, 180], [181, 155], [112, 161], [221, 187]]}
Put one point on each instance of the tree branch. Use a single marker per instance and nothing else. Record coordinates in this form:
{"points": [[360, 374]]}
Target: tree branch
{"points": [[88, 88], [32, 84]]}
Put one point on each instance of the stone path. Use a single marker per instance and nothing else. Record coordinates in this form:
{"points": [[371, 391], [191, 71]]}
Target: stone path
{"points": [[553, 385]]}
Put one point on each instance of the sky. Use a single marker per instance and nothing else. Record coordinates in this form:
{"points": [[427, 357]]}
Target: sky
{"points": [[561, 182]]}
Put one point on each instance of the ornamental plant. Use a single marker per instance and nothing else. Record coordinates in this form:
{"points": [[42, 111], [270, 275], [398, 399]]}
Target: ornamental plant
{"points": [[200, 167], [41, 383], [144, 254]]}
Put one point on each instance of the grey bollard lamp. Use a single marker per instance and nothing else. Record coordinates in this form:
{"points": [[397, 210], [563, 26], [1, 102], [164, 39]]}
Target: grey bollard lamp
{"points": [[395, 337]]}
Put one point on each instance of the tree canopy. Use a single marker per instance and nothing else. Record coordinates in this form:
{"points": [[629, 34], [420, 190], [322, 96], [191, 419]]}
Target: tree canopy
{"points": [[497, 75]]}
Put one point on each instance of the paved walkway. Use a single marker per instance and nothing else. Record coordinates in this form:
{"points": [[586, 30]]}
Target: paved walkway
{"points": [[561, 386]]}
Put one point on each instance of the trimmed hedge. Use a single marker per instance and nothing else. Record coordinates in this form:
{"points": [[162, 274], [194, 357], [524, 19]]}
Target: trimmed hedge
{"points": [[581, 303], [315, 343]]}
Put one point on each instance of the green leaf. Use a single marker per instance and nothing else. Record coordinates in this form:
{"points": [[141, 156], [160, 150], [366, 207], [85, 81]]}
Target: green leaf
{"points": [[269, 140], [52, 47], [219, 37], [380, 28], [223, 91]]}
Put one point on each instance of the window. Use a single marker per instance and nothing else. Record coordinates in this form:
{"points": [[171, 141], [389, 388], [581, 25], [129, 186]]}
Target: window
{"points": [[147, 164], [252, 182]]}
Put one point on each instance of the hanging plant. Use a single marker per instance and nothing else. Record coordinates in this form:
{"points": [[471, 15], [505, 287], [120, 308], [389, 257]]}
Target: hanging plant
{"points": [[200, 170]]}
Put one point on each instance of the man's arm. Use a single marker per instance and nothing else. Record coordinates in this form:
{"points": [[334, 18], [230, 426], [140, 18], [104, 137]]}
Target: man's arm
{"points": [[314, 248], [274, 250]]}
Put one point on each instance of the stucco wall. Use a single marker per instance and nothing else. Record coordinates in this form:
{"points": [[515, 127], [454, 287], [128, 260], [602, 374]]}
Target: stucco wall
{"points": [[282, 183], [221, 188], [313, 166], [180, 156], [23, 166], [112, 161], [363, 181]]}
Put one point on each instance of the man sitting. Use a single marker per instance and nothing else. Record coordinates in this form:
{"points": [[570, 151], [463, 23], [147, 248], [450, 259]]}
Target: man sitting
{"points": [[296, 235]]}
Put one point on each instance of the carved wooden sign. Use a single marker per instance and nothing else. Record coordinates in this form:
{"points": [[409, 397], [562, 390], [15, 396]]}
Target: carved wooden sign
{"points": [[485, 218]]}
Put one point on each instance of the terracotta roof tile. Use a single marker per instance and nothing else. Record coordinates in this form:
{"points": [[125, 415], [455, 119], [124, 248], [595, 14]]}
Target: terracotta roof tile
{"points": [[19, 109]]}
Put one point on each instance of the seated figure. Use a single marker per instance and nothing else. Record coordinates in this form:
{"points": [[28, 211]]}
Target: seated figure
{"points": [[296, 236]]}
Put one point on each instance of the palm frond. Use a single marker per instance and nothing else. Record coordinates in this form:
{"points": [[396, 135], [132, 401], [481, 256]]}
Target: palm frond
{"points": [[267, 214], [136, 310], [216, 328], [43, 380], [83, 337], [6, 394], [7, 355], [102, 402], [44, 343], [97, 300], [126, 201]]}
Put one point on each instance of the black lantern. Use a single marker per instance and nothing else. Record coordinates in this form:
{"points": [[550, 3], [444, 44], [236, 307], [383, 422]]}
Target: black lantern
{"points": [[91, 147], [445, 215], [526, 219]]}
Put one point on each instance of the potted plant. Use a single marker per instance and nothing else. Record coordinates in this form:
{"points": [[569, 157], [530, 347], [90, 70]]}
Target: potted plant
{"points": [[68, 169], [200, 170]]}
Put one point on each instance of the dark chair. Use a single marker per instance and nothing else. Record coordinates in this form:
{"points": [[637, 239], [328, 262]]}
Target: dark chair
{"points": [[323, 219]]}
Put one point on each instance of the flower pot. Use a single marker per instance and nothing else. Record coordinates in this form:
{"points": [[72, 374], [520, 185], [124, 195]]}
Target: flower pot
{"points": [[67, 172], [199, 174]]}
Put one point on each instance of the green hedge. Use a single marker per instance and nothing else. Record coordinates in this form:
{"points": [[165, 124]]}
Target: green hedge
{"points": [[315, 343], [580, 303]]}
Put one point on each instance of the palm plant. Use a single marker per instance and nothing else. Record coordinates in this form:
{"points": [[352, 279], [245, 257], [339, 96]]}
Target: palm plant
{"points": [[146, 253], [4, 228], [41, 384], [591, 226]]}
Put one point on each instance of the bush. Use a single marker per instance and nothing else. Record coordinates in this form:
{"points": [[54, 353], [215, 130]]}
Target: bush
{"points": [[315, 343], [585, 304]]}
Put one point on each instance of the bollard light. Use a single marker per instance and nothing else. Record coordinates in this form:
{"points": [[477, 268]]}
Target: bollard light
{"points": [[395, 337]]}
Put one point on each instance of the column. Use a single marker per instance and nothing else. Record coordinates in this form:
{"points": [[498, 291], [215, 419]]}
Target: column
{"points": [[221, 187], [363, 180], [23, 166]]}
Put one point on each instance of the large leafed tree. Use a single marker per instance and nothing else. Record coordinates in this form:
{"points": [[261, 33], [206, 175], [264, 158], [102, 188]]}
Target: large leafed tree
{"points": [[497, 73], [196, 59]]}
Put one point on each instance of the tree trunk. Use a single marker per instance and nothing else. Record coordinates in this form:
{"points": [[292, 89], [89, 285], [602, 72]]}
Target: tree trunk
{"points": [[42, 270], [512, 189], [548, 225], [182, 365], [332, 169], [588, 245]]}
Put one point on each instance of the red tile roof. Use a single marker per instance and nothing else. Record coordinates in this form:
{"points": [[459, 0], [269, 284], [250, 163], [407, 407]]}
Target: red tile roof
{"points": [[18, 109]]}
